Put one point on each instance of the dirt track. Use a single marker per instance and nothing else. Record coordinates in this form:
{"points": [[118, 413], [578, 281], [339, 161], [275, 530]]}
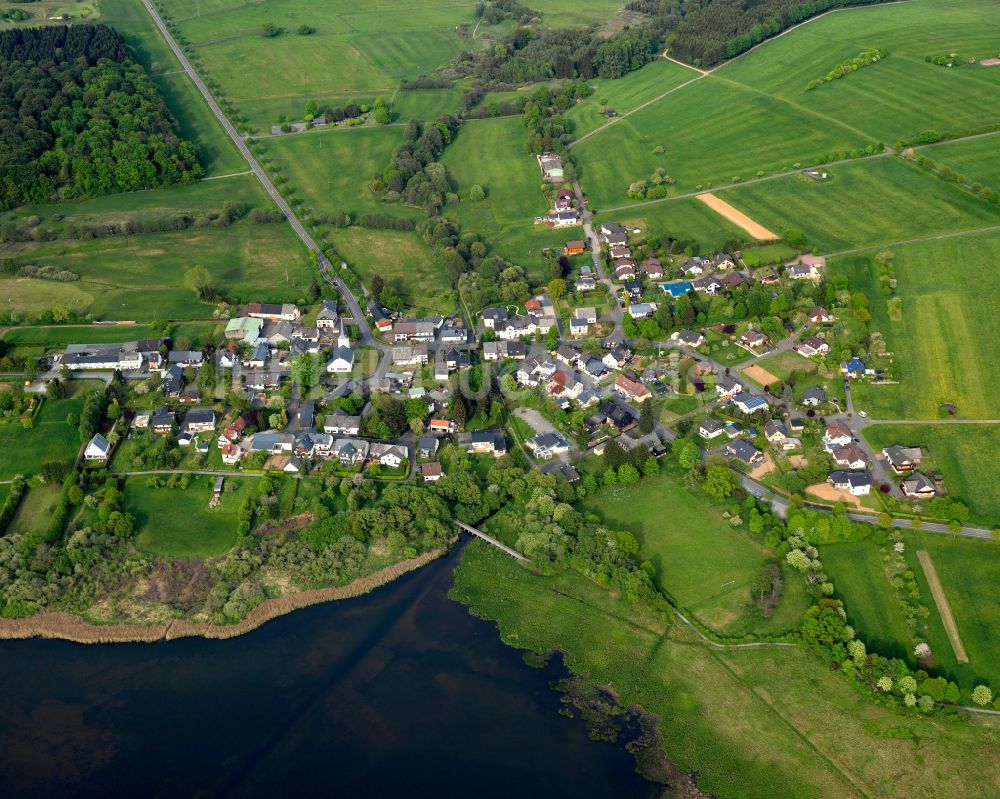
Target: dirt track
{"points": [[737, 217], [831, 494], [944, 609]]}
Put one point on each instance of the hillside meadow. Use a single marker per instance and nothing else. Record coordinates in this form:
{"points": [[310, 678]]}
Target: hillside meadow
{"points": [[900, 96], [871, 202], [352, 52], [978, 159], [945, 345]]}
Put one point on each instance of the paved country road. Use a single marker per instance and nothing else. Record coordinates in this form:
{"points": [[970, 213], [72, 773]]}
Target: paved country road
{"points": [[329, 275]]}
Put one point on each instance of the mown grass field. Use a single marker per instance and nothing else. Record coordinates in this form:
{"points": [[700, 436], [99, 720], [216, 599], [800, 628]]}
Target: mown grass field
{"points": [[872, 608], [215, 151], [404, 262], [948, 337], [61, 335], [718, 712], [901, 95], [977, 159], [872, 202], [35, 509], [700, 560], [686, 219], [558, 13], [712, 131], [969, 571], [329, 171], [51, 439], [179, 523], [355, 50], [425, 104], [964, 454], [627, 93]]}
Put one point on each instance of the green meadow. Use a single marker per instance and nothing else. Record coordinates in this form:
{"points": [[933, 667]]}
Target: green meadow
{"points": [[964, 454], [329, 170], [901, 95], [977, 159], [871, 202], [353, 51], [178, 522], [403, 261], [50, 439], [947, 340], [688, 219], [701, 561], [968, 569], [35, 509]]}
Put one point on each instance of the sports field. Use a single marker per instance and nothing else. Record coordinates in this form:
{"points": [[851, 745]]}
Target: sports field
{"points": [[700, 560], [965, 455], [862, 204], [949, 334], [355, 49]]}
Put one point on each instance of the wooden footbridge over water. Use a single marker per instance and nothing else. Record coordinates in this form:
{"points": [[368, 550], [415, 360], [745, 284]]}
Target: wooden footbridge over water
{"points": [[490, 540]]}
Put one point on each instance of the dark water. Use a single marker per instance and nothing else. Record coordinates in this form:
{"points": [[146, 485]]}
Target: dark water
{"points": [[399, 693]]}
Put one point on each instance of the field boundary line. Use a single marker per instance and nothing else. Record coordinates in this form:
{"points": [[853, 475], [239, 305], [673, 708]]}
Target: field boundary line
{"points": [[736, 216], [646, 104], [230, 175], [944, 609], [953, 235]]}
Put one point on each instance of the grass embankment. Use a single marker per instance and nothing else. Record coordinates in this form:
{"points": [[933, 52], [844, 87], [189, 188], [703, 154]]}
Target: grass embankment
{"points": [[757, 723], [68, 627], [702, 562]]}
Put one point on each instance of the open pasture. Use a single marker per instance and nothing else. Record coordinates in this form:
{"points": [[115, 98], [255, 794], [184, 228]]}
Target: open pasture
{"points": [[965, 455], [867, 203], [686, 219], [712, 132], [901, 95], [627, 93], [179, 523], [948, 337], [701, 561], [330, 170], [364, 50], [403, 261], [977, 159]]}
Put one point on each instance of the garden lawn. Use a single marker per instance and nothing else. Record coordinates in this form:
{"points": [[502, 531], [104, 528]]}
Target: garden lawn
{"points": [[872, 202], [969, 571], [51, 439], [701, 560], [178, 522], [949, 337], [965, 455], [901, 95], [784, 363], [872, 607], [718, 711], [404, 262], [35, 509]]}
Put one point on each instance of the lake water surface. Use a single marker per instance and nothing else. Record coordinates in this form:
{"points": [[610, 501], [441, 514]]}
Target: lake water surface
{"points": [[398, 693]]}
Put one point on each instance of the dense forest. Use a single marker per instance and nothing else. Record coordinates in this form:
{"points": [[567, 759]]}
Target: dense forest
{"points": [[79, 118]]}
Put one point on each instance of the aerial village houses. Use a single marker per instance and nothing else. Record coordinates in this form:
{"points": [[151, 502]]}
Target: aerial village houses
{"points": [[630, 389], [551, 167], [98, 448]]}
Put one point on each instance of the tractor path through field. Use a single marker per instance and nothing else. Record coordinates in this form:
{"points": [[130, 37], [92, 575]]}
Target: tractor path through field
{"points": [[646, 104], [736, 216], [230, 175], [930, 421], [944, 609], [953, 235]]}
